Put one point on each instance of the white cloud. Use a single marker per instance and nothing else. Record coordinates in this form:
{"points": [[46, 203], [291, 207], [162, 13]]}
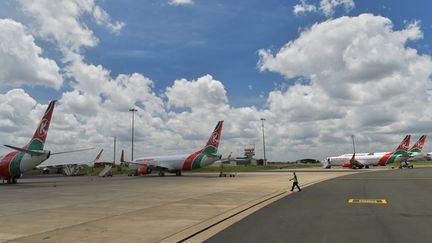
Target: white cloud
{"points": [[304, 7], [204, 93], [102, 18], [21, 59], [326, 7], [180, 2], [363, 78], [59, 21], [15, 107]]}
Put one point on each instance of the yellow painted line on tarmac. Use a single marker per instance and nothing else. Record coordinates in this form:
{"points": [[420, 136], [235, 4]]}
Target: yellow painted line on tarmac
{"points": [[367, 201]]}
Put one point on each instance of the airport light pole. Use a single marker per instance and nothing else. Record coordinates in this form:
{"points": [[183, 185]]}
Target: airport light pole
{"points": [[133, 110], [352, 137], [265, 159]]}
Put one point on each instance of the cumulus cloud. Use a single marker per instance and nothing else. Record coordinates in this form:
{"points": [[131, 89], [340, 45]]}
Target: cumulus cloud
{"points": [[358, 51], [59, 21], [204, 93], [361, 72], [326, 7], [180, 2], [21, 59], [304, 7]]}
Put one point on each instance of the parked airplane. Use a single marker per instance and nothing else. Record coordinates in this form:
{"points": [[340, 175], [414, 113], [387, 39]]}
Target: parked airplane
{"points": [[416, 152], [30, 155], [178, 163], [360, 160], [68, 168]]}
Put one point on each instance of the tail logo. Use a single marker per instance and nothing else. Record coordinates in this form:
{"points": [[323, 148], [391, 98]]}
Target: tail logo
{"points": [[420, 143], [215, 138], [405, 144], [43, 127]]}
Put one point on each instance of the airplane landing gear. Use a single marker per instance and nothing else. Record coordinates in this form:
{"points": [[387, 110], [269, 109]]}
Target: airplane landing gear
{"points": [[12, 180], [161, 173], [178, 173]]}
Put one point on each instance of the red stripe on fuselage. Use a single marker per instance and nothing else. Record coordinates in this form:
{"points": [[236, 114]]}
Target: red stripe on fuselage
{"points": [[384, 159], [187, 164], [4, 164]]}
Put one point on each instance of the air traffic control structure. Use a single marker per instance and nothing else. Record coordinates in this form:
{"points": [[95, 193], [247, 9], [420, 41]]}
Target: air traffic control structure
{"points": [[248, 158]]}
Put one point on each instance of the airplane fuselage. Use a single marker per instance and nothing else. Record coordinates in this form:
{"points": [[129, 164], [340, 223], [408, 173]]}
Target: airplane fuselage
{"points": [[368, 159], [15, 163], [174, 163]]}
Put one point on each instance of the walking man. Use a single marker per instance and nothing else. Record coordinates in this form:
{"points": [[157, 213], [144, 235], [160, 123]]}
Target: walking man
{"points": [[295, 183]]}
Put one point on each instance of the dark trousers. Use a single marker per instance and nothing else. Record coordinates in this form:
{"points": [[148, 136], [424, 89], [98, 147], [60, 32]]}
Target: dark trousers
{"points": [[295, 184]]}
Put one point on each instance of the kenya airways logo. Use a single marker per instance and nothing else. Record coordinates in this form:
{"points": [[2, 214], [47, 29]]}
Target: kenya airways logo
{"points": [[214, 138], [420, 143], [405, 145], [43, 127]]}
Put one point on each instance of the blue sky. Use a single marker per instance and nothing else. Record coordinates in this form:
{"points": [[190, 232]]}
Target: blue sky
{"points": [[221, 38], [201, 61]]}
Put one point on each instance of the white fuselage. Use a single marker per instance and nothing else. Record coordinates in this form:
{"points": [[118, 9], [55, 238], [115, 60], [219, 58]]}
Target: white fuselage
{"points": [[419, 156], [173, 162], [365, 159], [29, 162]]}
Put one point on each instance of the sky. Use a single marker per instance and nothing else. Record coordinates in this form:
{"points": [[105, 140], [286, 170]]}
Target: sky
{"points": [[318, 71]]}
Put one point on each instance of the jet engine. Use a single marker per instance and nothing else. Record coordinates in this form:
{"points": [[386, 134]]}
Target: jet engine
{"points": [[143, 170], [346, 164]]}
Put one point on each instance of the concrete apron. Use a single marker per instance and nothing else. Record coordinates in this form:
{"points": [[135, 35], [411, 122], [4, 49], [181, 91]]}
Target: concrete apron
{"points": [[153, 209]]}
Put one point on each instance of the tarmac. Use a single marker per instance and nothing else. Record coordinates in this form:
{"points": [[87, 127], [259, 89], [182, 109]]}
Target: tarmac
{"points": [[189, 208], [381, 206]]}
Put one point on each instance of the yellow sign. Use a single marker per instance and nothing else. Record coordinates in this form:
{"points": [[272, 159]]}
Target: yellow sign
{"points": [[367, 201]]}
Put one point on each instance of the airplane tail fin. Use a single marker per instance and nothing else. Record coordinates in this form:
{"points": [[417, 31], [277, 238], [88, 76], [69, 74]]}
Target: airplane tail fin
{"points": [[213, 143], [418, 146], [38, 140], [404, 145]]}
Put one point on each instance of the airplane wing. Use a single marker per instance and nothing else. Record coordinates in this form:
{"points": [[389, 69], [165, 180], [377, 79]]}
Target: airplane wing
{"points": [[224, 160], [49, 163], [161, 166]]}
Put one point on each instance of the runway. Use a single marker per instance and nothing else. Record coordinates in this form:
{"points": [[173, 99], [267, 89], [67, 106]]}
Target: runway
{"points": [[322, 212], [140, 209]]}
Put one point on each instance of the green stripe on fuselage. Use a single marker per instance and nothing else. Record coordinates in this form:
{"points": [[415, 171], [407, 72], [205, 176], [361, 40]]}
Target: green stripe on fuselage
{"points": [[415, 150], [35, 145], [196, 163], [14, 166], [210, 150], [395, 155]]}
